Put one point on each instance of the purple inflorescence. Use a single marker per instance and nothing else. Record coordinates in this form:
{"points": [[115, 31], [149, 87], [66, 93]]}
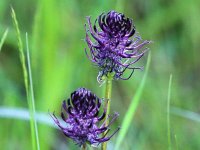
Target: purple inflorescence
{"points": [[111, 49], [82, 121]]}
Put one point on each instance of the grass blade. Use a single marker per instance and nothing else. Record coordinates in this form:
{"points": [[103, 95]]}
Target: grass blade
{"points": [[20, 48], [32, 99], [3, 39], [176, 141], [132, 108], [25, 73], [23, 114], [168, 112], [185, 114]]}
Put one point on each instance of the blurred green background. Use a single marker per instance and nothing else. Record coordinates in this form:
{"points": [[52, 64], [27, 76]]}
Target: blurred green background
{"points": [[59, 66]]}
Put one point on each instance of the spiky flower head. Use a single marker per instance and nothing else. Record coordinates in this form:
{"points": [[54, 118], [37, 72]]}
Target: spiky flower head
{"points": [[81, 116], [115, 46]]}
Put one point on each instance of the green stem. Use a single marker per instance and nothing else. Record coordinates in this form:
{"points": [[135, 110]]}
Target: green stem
{"points": [[168, 113], [108, 92], [26, 82], [84, 147]]}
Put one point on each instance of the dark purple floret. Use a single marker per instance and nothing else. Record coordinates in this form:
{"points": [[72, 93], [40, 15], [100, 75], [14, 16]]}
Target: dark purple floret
{"points": [[81, 116], [115, 46]]}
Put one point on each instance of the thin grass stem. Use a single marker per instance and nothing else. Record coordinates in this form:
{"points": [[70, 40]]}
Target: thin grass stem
{"points": [[168, 113], [3, 38], [32, 99], [25, 73], [176, 142]]}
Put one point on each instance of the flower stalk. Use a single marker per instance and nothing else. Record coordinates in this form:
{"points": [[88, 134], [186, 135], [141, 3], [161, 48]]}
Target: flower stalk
{"points": [[108, 93], [84, 147]]}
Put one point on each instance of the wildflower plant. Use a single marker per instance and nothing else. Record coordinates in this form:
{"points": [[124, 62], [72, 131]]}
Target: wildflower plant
{"points": [[114, 47], [81, 115]]}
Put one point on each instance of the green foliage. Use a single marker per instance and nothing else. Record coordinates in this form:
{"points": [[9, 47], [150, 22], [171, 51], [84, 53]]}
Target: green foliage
{"points": [[31, 97], [59, 66], [28, 87]]}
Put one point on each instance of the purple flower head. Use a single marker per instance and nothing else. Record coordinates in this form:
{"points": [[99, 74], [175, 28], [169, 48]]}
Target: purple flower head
{"points": [[81, 116], [115, 46]]}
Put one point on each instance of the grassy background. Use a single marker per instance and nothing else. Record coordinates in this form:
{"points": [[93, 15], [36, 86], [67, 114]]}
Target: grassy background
{"points": [[59, 66]]}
